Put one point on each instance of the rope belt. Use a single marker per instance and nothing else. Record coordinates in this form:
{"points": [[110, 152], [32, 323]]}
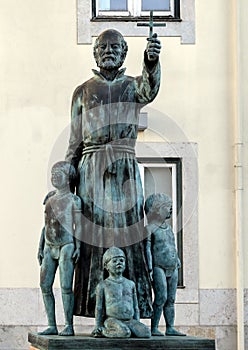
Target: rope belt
{"points": [[109, 151], [108, 148]]}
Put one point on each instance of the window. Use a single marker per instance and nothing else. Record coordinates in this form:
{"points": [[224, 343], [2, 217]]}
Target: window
{"points": [[95, 16], [165, 175], [133, 9]]}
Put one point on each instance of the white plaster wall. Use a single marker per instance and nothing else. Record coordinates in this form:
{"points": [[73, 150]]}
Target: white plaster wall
{"points": [[41, 64], [243, 93]]}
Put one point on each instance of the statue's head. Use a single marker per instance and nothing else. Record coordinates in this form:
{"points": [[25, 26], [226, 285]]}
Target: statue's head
{"points": [[110, 49], [62, 173], [111, 253], [158, 206]]}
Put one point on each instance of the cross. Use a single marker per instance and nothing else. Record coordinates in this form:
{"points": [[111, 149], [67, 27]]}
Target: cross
{"points": [[151, 24]]}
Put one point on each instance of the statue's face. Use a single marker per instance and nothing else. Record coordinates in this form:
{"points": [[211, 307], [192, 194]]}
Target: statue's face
{"points": [[165, 210], [58, 178], [109, 51], [116, 265]]}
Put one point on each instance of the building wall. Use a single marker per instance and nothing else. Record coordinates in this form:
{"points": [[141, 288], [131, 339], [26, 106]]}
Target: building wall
{"points": [[41, 64]]}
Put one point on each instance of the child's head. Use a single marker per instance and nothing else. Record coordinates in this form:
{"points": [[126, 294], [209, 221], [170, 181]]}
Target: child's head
{"points": [[158, 206], [63, 173], [116, 256]]}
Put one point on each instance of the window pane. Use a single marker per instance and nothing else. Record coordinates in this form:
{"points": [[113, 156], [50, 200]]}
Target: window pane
{"points": [[156, 5], [158, 180], [113, 5]]}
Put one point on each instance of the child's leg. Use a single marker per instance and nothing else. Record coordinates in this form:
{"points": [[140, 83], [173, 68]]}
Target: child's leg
{"points": [[160, 292], [66, 269], [138, 329], [114, 328], [169, 308], [47, 275]]}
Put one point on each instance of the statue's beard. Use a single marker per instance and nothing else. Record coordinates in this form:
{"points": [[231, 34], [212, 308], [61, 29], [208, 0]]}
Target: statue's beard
{"points": [[110, 63]]}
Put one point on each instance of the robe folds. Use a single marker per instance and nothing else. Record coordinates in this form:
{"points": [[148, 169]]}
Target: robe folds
{"points": [[104, 128]]}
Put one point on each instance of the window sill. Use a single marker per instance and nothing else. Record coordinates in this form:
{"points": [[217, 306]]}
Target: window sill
{"points": [[135, 19]]}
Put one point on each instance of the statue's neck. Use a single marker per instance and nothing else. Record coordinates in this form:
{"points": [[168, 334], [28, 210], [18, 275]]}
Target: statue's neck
{"points": [[62, 191], [109, 74]]}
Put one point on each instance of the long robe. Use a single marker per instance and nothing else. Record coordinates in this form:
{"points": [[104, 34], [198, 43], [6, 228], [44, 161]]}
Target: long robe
{"points": [[104, 130]]}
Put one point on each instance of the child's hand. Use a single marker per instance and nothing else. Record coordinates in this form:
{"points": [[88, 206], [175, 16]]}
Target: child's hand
{"points": [[40, 256], [76, 255], [97, 332]]}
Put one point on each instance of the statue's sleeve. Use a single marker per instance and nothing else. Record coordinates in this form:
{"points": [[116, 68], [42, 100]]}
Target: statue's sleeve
{"points": [[74, 152], [147, 85]]}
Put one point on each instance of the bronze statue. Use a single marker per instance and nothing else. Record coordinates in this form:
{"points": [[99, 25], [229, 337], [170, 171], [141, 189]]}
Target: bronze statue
{"points": [[104, 128], [117, 311], [163, 261], [58, 246]]}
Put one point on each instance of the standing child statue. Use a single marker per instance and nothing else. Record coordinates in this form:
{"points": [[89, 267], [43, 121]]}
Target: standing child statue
{"points": [[117, 313], [163, 261], [58, 246]]}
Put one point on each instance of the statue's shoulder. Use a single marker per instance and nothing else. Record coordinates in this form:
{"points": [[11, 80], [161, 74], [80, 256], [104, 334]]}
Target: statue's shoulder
{"points": [[76, 199], [150, 228], [128, 282], [84, 86], [129, 78], [48, 196]]}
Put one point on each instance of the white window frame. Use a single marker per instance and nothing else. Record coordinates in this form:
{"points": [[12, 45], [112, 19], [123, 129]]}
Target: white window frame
{"points": [[89, 28], [173, 168], [134, 9]]}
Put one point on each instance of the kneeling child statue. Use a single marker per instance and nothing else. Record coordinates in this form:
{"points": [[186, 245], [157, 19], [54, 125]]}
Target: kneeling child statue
{"points": [[117, 313]]}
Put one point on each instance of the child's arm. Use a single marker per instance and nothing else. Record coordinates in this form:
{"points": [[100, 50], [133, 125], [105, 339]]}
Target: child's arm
{"points": [[99, 310], [77, 212], [136, 315], [40, 254], [148, 251]]}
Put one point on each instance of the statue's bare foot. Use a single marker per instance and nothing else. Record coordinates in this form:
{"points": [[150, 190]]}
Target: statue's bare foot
{"points": [[52, 330], [173, 331], [68, 331], [156, 332]]}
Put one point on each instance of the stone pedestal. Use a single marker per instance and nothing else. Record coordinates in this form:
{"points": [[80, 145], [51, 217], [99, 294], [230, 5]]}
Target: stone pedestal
{"points": [[85, 342]]}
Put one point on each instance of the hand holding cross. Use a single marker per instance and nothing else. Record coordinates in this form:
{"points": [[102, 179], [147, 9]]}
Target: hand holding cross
{"points": [[153, 47]]}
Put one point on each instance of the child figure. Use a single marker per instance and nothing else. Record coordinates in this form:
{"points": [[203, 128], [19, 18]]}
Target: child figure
{"points": [[163, 261], [58, 246], [117, 312]]}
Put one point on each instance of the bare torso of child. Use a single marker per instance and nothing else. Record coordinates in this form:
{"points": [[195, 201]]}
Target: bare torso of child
{"points": [[164, 248], [59, 220], [119, 298]]}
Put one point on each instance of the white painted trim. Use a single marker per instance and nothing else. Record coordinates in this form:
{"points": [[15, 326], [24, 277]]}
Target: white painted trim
{"points": [[238, 167]]}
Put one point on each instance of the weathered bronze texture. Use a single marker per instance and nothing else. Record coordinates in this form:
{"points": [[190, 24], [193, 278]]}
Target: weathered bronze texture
{"points": [[58, 246], [117, 311], [163, 262], [104, 128]]}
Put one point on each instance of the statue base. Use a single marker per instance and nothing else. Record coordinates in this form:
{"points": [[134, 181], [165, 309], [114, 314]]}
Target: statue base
{"points": [[85, 342]]}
